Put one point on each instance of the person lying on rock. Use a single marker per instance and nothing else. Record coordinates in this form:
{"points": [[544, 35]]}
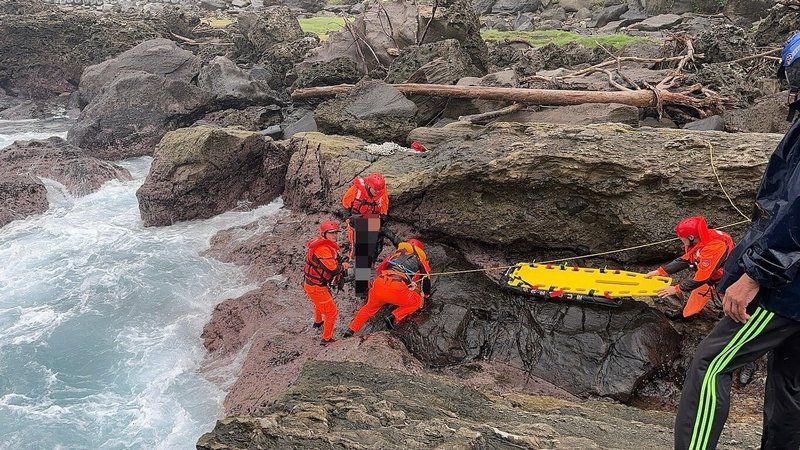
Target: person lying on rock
{"points": [[402, 279], [366, 197], [705, 251], [323, 266]]}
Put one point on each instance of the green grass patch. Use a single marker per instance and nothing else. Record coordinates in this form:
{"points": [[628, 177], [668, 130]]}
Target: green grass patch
{"points": [[321, 26], [558, 37]]}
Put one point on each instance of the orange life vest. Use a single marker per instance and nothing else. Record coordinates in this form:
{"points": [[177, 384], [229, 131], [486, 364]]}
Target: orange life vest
{"points": [[315, 271]]}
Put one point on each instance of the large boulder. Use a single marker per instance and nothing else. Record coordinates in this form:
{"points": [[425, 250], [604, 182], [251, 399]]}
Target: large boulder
{"points": [[767, 115], [235, 87], [21, 196], [201, 172], [133, 113], [606, 186], [156, 56], [55, 159], [327, 73], [273, 25], [373, 111]]}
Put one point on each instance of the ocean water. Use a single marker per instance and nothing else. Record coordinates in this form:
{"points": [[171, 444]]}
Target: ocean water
{"points": [[100, 321]]}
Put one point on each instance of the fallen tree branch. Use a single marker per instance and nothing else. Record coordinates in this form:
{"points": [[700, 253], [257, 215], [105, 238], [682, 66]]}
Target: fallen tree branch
{"points": [[706, 105], [760, 55], [428, 25], [188, 41], [491, 115], [611, 62]]}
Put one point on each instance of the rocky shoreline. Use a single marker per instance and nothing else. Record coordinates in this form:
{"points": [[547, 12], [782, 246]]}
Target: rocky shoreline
{"points": [[477, 366]]}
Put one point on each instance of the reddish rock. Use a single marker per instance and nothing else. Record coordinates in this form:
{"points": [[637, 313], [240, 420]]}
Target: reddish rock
{"points": [[21, 196]]}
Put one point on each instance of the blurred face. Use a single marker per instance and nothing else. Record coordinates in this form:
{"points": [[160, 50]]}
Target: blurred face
{"points": [[370, 191], [331, 235], [686, 243]]}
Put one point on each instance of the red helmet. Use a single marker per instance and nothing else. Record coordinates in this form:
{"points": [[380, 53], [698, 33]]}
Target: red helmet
{"points": [[376, 182], [328, 226], [416, 243], [692, 228]]}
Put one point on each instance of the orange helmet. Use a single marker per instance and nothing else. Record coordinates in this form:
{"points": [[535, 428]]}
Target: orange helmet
{"points": [[692, 228], [416, 243], [328, 226], [376, 182]]}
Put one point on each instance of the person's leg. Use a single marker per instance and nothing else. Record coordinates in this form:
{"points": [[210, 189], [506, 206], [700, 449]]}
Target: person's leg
{"points": [[311, 292], [697, 300], [326, 306], [407, 302], [704, 403], [375, 301], [782, 398]]}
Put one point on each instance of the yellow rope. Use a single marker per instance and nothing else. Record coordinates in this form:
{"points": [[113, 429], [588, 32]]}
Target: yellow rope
{"points": [[610, 252], [714, 169]]}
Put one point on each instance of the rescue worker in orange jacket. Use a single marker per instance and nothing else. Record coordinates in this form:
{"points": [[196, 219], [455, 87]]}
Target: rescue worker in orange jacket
{"points": [[323, 266], [367, 196], [402, 279], [705, 251]]}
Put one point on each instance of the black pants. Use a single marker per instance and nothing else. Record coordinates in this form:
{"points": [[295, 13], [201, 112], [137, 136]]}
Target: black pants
{"points": [[705, 398]]}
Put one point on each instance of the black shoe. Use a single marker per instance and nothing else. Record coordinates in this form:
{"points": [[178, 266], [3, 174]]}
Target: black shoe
{"points": [[674, 314], [348, 333], [747, 373], [390, 324], [326, 342], [317, 324]]}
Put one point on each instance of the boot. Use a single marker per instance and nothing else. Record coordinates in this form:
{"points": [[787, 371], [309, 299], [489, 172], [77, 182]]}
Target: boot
{"points": [[390, 324], [317, 325], [348, 333], [747, 373], [326, 342], [674, 314]]}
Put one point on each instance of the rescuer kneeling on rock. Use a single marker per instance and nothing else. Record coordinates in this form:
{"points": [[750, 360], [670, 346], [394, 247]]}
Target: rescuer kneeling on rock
{"points": [[402, 279]]}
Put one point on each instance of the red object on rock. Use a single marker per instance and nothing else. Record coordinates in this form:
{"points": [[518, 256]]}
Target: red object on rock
{"points": [[418, 146]]}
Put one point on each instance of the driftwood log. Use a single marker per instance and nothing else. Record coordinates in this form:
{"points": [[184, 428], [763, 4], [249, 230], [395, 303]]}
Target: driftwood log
{"points": [[705, 102]]}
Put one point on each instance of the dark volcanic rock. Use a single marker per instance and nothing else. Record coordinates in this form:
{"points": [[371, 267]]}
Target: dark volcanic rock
{"points": [[21, 196], [581, 349], [200, 172], [373, 111], [327, 73], [233, 86], [157, 56], [134, 112]]}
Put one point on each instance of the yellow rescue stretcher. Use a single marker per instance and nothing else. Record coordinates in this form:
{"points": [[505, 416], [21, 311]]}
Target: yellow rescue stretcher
{"points": [[605, 287]]}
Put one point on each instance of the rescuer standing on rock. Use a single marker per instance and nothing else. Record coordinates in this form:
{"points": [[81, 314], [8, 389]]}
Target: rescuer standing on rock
{"points": [[323, 267]]}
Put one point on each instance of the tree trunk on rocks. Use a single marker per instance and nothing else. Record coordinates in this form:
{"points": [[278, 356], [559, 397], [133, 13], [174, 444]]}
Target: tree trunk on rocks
{"points": [[532, 187], [639, 98]]}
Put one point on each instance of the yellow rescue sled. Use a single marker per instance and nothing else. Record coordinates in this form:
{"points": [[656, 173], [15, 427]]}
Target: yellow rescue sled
{"points": [[605, 287]]}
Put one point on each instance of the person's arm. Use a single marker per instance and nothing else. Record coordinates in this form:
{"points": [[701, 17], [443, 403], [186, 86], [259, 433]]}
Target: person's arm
{"points": [[331, 261], [384, 209], [674, 266], [349, 196], [774, 259]]}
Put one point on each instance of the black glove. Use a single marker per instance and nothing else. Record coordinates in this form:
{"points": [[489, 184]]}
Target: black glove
{"points": [[426, 287], [346, 214], [393, 238]]}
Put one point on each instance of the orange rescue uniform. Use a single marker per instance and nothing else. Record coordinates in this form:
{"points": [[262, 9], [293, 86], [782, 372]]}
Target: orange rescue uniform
{"points": [[399, 282], [321, 267], [358, 202], [708, 256]]}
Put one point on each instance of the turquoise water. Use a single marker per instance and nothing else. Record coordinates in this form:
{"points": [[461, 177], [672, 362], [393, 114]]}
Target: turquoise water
{"points": [[100, 322]]}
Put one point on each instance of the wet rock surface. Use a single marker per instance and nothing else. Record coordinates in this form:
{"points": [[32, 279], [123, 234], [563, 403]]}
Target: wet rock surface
{"points": [[24, 163], [55, 159], [21, 196], [200, 172]]}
